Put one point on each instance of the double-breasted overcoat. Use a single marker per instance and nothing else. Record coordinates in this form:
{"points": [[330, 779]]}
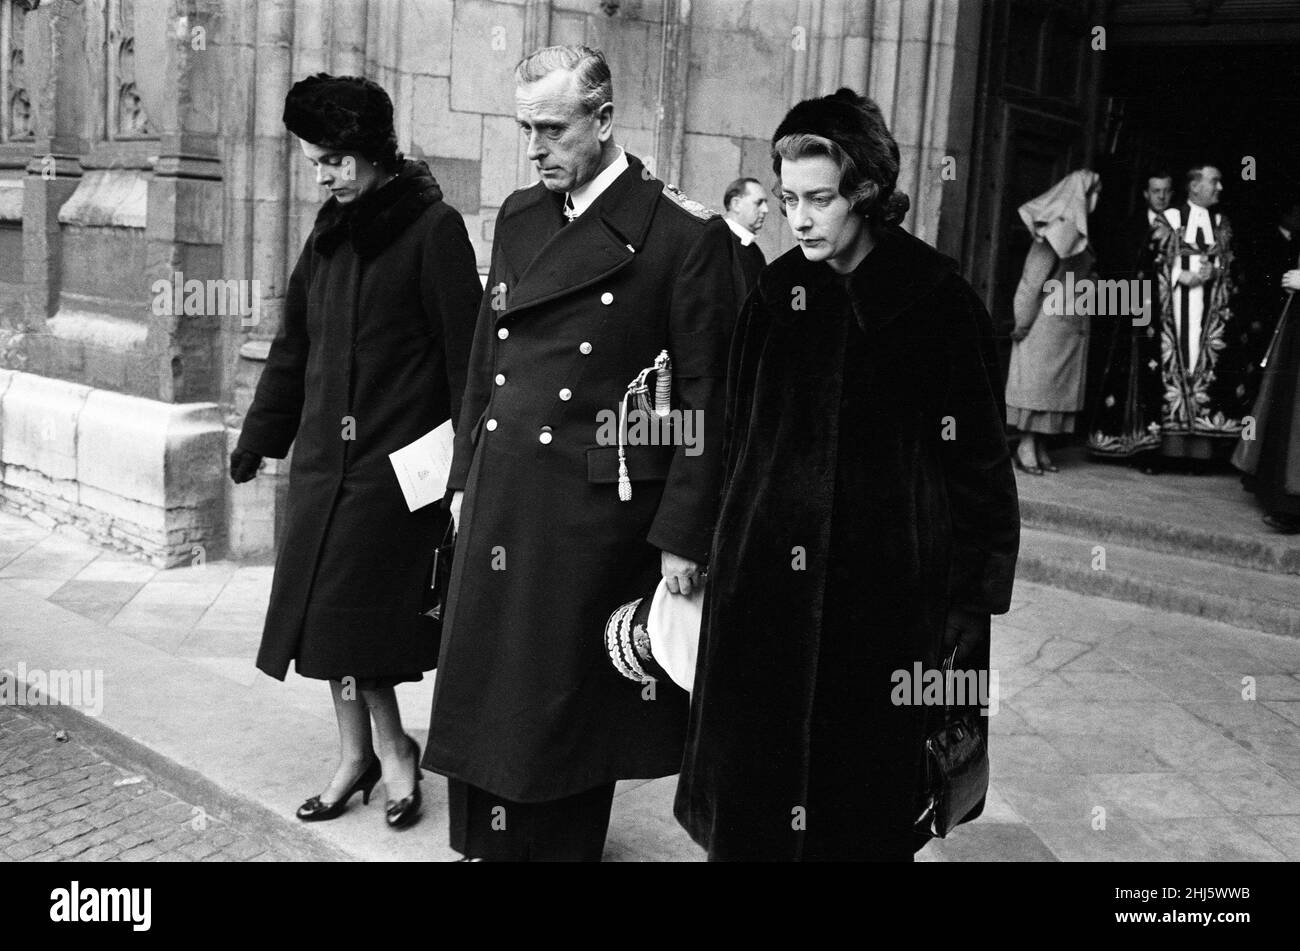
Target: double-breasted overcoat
{"points": [[370, 355], [527, 705]]}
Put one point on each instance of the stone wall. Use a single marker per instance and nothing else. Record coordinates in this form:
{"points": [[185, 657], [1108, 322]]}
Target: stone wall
{"points": [[167, 155], [138, 475], [699, 87]]}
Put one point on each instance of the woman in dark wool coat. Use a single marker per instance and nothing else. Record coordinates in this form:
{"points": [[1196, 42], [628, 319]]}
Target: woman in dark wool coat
{"points": [[869, 518], [371, 355]]}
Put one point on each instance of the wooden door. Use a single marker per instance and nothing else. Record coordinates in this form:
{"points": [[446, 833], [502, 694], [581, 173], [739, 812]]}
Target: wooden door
{"points": [[1038, 79]]}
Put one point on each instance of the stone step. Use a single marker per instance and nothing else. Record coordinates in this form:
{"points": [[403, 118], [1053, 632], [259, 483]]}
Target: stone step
{"points": [[1246, 597], [1255, 549], [1206, 516]]}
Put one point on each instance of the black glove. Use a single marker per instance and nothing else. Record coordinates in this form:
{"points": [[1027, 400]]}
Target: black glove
{"points": [[244, 465]]}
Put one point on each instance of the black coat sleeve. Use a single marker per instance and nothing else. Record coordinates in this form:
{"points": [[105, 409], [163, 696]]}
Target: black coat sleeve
{"points": [[272, 420], [742, 369], [701, 319], [981, 486], [450, 289], [478, 376]]}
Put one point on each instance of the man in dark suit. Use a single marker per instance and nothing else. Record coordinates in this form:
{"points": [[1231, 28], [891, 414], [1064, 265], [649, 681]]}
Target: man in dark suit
{"points": [[1150, 228], [596, 270], [745, 209]]}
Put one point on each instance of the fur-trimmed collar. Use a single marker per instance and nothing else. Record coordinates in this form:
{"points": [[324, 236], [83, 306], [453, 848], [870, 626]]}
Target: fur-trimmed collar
{"points": [[899, 271], [375, 219]]}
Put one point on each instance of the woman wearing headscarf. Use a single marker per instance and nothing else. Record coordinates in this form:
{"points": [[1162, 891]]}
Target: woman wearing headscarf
{"points": [[371, 355], [1046, 379], [868, 521]]}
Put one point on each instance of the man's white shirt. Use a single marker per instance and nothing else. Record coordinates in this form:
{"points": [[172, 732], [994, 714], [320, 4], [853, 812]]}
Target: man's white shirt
{"points": [[746, 236], [582, 196]]}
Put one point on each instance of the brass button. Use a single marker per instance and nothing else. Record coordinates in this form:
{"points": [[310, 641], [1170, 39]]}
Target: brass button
{"points": [[566, 394], [607, 298], [491, 425], [584, 347], [503, 333], [501, 379], [545, 436]]}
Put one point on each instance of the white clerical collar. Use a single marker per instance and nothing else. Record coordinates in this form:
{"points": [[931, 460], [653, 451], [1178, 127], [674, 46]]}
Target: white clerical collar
{"points": [[1198, 217], [582, 196], [746, 236]]}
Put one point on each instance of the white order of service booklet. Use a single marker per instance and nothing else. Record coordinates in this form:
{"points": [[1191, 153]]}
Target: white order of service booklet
{"points": [[423, 466]]}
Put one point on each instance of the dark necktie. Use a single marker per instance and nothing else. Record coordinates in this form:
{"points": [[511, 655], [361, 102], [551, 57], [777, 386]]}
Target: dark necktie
{"points": [[570, 212]]}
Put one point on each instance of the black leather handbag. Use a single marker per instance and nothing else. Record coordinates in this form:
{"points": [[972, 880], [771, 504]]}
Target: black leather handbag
{"points": [[433, 604], [956, 768]]}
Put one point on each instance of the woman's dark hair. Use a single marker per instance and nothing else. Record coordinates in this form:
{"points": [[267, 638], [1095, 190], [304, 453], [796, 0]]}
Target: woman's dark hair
{"points": [[850, 130]]}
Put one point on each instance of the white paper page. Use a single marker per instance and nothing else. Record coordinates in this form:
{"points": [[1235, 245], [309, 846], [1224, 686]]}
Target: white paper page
{"points": [[423, 467]]}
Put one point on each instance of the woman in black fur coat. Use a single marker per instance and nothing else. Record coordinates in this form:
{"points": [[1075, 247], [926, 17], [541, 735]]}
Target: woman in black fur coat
{"points": [[869, 518]]}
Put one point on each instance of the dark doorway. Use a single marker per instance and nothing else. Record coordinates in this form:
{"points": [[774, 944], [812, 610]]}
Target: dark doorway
{"points": [[1232, 105], [1176, 83], [1038, 80], [1218, 104]]}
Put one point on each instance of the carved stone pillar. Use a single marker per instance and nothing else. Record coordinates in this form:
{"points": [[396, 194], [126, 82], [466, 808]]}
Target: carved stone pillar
{"points": [[17, 140], [675, 53], [55, 60], [919, 65], [185, 210], [109, 428], [275, 219]]}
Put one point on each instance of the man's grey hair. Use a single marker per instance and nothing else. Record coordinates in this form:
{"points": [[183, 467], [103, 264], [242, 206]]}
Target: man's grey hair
{"points": [[588, 66]]}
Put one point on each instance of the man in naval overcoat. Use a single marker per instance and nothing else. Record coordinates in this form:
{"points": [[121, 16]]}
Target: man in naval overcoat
{"points": [[596, 269]]}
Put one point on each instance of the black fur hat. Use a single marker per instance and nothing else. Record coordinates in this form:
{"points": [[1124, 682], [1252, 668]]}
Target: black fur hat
{"points": [[856, 124], [348, 113]]}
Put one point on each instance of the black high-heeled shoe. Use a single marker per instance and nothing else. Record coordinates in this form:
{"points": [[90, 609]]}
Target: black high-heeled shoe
{"points": [[316, 809], [400, 813]]}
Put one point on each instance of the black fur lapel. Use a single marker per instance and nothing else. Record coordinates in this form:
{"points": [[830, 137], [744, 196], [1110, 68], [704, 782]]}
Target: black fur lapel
{"points": [[374, 220]]}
